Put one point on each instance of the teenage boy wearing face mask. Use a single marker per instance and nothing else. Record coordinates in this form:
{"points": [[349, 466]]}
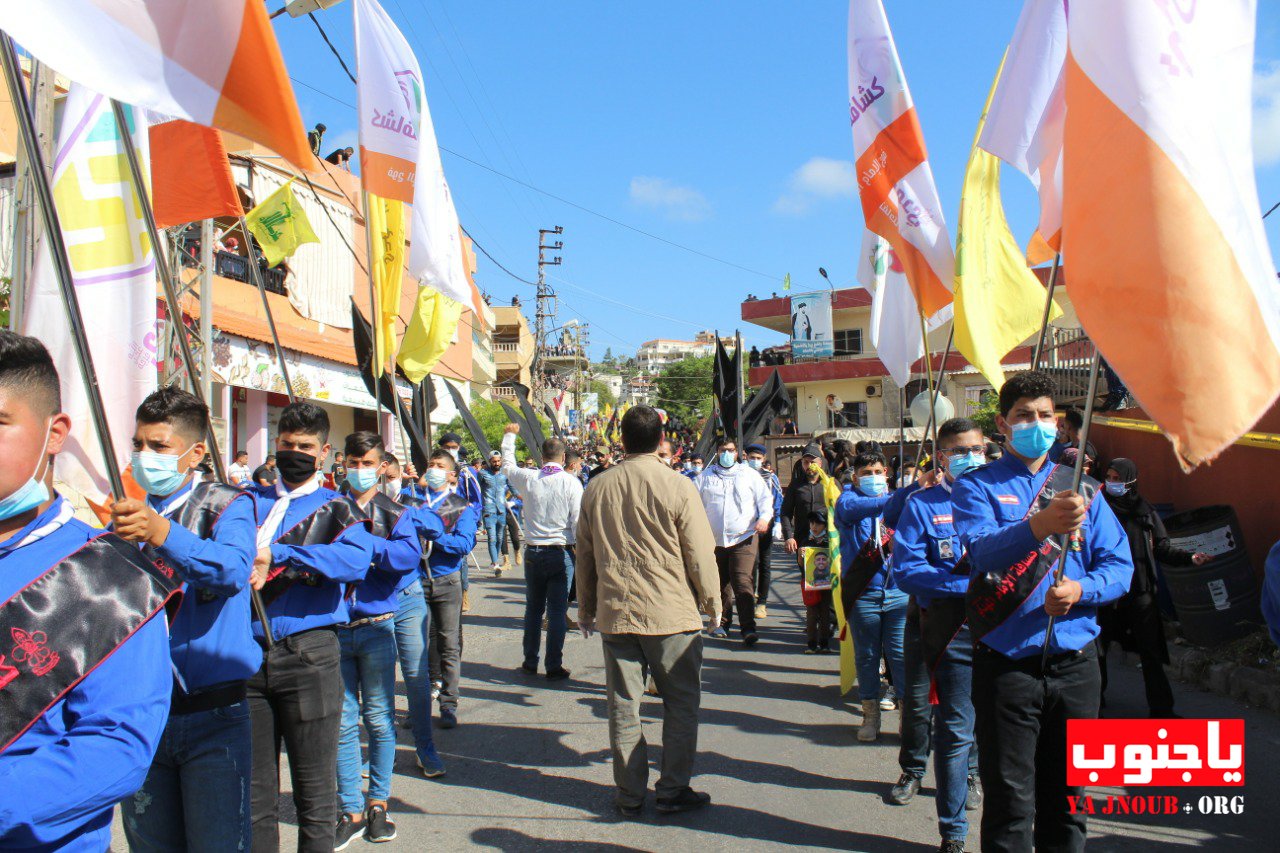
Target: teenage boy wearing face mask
{"points": [[739, 507], [694, 467], [1011, 515], [927, 564], [875, 607], [312, 543], [467, 485], [75, 747], [368, 641], [445, 595], [206, 533], [764, 543]]}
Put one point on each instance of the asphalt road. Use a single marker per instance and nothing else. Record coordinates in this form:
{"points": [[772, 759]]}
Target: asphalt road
{"points": [[528, 764]]}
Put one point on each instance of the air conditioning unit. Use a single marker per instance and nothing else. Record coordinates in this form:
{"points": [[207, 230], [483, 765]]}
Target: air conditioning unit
{"points": [[873, 390]]}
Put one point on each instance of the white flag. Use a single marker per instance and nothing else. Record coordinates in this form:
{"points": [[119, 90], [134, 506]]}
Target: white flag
{"points": [[1025, 121], [115, 280], [895, 316]]}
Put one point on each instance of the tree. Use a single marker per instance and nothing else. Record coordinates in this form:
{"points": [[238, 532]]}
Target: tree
{"points": [[493, 420], [985, 414], [608, 355], [599, 386], [684, 388]]}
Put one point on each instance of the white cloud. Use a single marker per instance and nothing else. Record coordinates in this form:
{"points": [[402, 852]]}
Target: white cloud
{"points": [[1266, 114], [680, 203], [819, 178]]}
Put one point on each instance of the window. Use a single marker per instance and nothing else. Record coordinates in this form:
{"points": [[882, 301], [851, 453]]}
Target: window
{"points": [[848, 341], [852, 415]]}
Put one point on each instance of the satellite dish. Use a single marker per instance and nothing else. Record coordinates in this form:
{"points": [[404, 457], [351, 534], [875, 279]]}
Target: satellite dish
{"points": [[943, 410], [834, 403]]}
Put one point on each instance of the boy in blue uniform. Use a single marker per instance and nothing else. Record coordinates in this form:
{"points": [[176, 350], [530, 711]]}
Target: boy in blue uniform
{"points": [[312, 543], [1011, 515], [368, 643], [81, 711], [926, 553], [197, 793], [875, 607]]}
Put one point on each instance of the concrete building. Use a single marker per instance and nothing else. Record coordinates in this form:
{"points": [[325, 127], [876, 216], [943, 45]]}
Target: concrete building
{"points": [[512, 350], [657, 354]]}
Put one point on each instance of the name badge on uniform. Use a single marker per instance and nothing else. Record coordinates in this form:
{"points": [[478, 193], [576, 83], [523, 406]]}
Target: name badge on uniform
{"points": [[946, 549], [1008, 499], [943, 519]]}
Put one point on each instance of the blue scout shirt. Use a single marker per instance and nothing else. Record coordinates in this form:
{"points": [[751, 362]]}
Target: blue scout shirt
{"points": [[60, 781], [990, 508], [926, 547], [450, 549], [397, 563], [856, 516], [345, 560], [898, 502], [211, 641]]}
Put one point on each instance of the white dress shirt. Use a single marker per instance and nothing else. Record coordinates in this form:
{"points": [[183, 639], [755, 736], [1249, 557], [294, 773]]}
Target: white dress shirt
{"points": [[552, 498], [735, 500]]}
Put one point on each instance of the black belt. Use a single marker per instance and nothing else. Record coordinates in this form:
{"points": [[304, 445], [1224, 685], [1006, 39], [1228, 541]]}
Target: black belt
{"points": [[217, 696], [546, 547]]}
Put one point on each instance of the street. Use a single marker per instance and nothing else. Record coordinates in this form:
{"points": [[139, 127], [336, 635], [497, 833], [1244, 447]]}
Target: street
{"points": [[528, 764]]}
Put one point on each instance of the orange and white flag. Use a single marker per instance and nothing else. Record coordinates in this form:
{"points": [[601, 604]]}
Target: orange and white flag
{"points": [[1170, 269], [215, 62], [895, 183], [1025, 121]]}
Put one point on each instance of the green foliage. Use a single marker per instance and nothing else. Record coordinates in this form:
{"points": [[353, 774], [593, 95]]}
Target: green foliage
{"points": [[985, 414], [599, 386], [684, 388], [493, 420]]}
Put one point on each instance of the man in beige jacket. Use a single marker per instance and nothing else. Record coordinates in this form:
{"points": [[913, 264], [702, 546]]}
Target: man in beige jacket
{"points": [[646, 570]]}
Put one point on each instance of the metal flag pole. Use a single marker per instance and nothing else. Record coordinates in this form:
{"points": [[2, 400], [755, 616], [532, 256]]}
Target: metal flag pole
{"points": [[1077, 475], [175, 317], [374, 315], [256, 271], [937, 387], [61, 263], [902, 431], [928, 372], [742, 393], [1048, 307]]}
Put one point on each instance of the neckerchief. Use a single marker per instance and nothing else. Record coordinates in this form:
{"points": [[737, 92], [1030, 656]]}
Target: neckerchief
{"points": [[31, 533], [284, 497]]}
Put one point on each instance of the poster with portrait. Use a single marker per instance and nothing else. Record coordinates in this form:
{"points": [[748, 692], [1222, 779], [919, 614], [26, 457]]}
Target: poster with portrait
{"points": [[811, 332], [817, 569]]}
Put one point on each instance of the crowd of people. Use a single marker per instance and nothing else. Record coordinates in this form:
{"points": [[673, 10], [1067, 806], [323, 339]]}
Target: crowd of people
{"points": [[292, 594]]}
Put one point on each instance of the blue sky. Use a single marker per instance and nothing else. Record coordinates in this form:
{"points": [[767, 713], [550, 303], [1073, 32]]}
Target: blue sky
{"points": [[718, 126]]}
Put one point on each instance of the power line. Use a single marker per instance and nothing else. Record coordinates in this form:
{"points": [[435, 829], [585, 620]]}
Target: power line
{"points": [[496, 262]]}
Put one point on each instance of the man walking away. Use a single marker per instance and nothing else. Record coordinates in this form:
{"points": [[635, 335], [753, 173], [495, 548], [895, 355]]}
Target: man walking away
{"points": [[756, 454], [493, 488], [646, 564], [739, 506], [552, 498]]}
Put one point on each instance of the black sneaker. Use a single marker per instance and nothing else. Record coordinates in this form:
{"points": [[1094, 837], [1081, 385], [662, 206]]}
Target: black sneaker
{"points": [[629, 811], [448, 718], [812, 650], [973, 798], [532, 670], [686, 800], [557, 674], [951, 846], [347, 830], [379, 827], [905, 790], [750, 638]]}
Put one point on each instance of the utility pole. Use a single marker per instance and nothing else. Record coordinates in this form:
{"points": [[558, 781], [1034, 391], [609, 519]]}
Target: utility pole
{"points": [[546, 307]]}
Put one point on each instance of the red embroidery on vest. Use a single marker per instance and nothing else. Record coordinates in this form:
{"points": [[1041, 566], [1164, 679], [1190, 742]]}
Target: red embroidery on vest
{"points": [[8, 672], [164, 569], [31, 649]]}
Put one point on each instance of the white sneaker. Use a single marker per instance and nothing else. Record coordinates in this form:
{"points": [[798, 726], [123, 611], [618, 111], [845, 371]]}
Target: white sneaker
{"points": [[890, 701], [436, 686]]}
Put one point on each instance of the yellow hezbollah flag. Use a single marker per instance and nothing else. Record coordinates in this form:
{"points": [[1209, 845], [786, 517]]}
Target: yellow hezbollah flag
{"points": [[280, 225], [848, 666], [999, 301], [386, 251], [431, 329]]}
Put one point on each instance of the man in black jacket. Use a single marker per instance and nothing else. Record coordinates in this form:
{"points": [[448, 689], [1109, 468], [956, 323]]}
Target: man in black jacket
{"points": [[803, 496]]}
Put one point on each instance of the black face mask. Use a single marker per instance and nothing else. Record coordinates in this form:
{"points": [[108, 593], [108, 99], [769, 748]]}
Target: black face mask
{"points": [[295, 466]]}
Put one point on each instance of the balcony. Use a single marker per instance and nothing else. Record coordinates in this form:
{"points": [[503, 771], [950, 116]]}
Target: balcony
{"points": [[234, 266], [776, 313], [503, 346], [504, 391]]}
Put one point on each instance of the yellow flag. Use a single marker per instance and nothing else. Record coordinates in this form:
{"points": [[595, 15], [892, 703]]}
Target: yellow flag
{"points": [[280, 225], [848, 662], [431, 329], [999, 301], [386, 241]]}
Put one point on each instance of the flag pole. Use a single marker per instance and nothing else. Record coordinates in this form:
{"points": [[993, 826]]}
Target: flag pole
{"points": [[1077, 475], [61, 263], [374, 315], [937, 387], [175, 317], [256, 271], [928, 372], [902, 431], [742, 392], [1048, 308]]}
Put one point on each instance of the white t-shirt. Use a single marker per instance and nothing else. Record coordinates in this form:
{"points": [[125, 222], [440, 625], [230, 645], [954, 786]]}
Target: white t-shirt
{"points": [[238, 473]]}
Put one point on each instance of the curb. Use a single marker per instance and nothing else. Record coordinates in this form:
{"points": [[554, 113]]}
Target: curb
{"points": [[1257, 687]]}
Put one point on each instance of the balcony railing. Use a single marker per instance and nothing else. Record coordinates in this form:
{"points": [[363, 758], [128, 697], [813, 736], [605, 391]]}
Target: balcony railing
{"points": [[504, 391], [234, 266], [504, 346], [1067, 356]]}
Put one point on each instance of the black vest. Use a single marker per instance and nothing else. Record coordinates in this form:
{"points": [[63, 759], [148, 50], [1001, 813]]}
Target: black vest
{"points": [[199, 515], [323, 526]]}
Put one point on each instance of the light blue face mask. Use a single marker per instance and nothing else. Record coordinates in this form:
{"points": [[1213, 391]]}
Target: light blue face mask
{"points": [[362, 480], [31, 493], [437, 479], [873, 485], [960, 463], [755, 463], [1033, 440], [1116, 488], [158, 473], [727, 459]]}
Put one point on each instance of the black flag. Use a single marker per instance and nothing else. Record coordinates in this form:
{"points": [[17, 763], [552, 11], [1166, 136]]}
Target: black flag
{"points": [[362, 338], [535, 428], [724, 383], [772, 399], [535, 449], [469, 421]]}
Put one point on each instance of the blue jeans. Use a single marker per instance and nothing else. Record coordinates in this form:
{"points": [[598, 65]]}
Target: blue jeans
{"points": [[879, 619], [954, 750], [196, 796], [413, 627], [369, 690], [495, 528], [547, 573]]}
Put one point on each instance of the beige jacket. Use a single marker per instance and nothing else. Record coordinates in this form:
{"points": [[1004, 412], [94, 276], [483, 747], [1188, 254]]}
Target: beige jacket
{"points": [[645, 557]]}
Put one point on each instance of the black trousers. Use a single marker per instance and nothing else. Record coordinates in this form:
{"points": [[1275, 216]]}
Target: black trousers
{"points": [[296, 699], [763, 573], [913, 699], [1022, 715]]}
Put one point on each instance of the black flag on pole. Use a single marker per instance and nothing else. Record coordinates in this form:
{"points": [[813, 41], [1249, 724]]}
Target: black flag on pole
{"points": [[772, 399], [724, 384], [362, 338], [535, 450], [535, 428]]}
